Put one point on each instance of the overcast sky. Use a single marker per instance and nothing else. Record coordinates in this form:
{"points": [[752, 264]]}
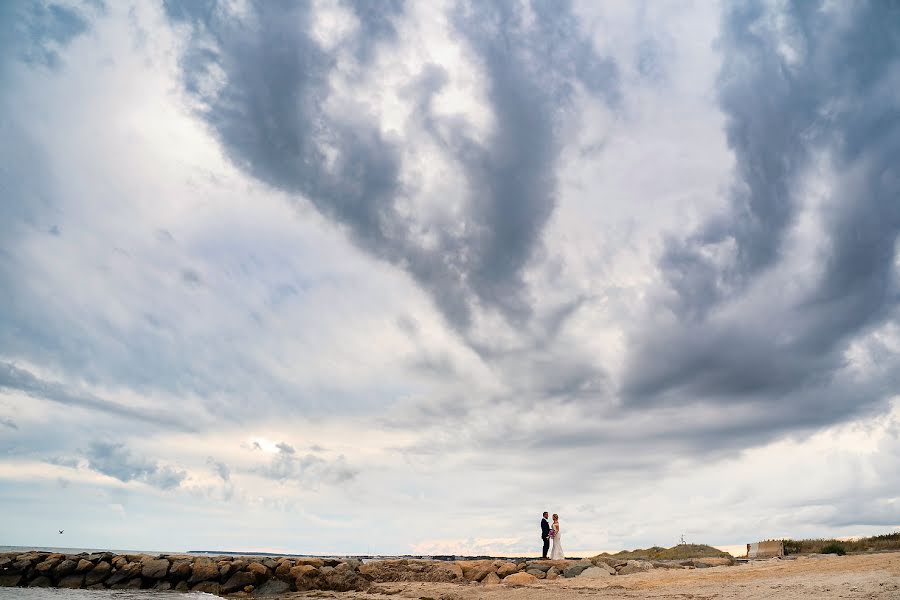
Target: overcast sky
{"points": [[395, 277]]}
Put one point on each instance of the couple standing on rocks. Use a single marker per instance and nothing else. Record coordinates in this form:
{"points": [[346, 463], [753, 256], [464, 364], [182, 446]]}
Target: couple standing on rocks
{"points": [[549, 532]]}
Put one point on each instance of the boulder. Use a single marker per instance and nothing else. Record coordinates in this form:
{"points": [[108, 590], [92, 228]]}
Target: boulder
{"points": [[10, 580], [270, 563], [225, 569], [46, 566], [98, 574], [537, 573], [182, 587], [539, 566], [506, 568], [594, 573], [411, 570], [283, 570], [634, 566], [20, 566], [155, 569], [313, 562], [575, 570], [40, 582], [491, 579], [238, 581], [72, 582], [345, 580], [301, 570], [132, 584], [203, 569], [5, 563], [476, 570], [180, 569], [118, 561], [260, 570], [128, 571], [207, 587], [519, 579], [553, 573], [84, 566], [66, 567], [272, 587], [162, 586]]}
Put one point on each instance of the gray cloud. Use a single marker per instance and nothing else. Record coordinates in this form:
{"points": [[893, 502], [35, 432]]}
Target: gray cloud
{"points": [[7, 422], [308, 469], [220, 468], [17, 379], [117, 461], [825, 94], [269, 114]]}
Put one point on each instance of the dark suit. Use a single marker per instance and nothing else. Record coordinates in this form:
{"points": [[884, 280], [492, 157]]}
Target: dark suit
{"points": [[545, 535]]}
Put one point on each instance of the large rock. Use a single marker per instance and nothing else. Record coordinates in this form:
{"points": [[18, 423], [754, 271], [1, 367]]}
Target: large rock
{"points": [[491, 579], [301, 570], [208, 587], [156, 568], [20, 566], [10, 580], [476, 570], [132, 584], [283, 570], [204, 570], [98, 574], [576, 569], [520, 579], [383, 571], [180, 569], [634, 566], [5, 564], [40, 582], [238, 582], [46, 566], [162, 586], [537, 573], [272, 587], [345, 580], [313, 562], [553, 573], [506, 568], [595, 573], [260, 570], [84, 566], [72, 582], [128, 571], [66, 567]]}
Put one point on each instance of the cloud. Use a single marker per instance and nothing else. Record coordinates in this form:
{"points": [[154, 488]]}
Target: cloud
{"points": [[263, 83], [309, 469], [756, 307], [7, 422], [115, 460], [17, 379]]}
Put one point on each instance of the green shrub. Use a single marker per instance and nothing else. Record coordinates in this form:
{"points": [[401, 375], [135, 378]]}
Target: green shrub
{"points": [[834, 549]]}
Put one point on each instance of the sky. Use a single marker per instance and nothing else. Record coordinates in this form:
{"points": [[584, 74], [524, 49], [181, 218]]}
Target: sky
{"points": [[395, 277]]}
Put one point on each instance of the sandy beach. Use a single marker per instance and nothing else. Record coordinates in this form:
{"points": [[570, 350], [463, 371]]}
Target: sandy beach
{"points": [[871, 576]]}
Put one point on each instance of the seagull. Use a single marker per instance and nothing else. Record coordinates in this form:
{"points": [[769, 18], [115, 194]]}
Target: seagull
{"points": [[60, 531]]}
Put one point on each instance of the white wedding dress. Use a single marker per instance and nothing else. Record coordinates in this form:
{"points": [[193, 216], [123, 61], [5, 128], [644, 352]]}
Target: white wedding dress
{"points": [[557, 552]]}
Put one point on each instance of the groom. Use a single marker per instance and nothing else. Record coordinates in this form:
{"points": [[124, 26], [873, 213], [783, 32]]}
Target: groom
{"points": [[545, 534]]}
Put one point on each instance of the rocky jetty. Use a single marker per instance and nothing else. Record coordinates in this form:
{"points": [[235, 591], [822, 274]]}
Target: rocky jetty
{"points": [[261, 576]]}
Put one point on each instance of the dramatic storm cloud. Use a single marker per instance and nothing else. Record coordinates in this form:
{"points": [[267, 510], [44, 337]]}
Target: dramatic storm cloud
{"points": [[398, 276]]}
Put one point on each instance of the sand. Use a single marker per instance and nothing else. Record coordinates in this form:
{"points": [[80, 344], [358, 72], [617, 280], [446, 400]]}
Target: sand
{"points": [[871, 576]]}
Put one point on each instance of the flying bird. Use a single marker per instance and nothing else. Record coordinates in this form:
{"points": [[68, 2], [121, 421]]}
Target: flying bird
{"points": [[60, 531]]}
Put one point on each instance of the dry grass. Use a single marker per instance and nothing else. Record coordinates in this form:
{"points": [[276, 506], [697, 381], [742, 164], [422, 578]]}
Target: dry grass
{"points": [[679, 552], [878, 543]]}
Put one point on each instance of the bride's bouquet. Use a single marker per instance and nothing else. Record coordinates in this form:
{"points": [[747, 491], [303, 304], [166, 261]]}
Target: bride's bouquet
{"points": [[552, 533]]}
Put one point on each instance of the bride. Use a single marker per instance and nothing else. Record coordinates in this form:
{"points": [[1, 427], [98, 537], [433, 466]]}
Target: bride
{"points": [[557, 553]]}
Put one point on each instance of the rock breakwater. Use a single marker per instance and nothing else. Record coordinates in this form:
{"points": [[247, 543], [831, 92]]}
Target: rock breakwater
{"points": [[260, 576]]}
